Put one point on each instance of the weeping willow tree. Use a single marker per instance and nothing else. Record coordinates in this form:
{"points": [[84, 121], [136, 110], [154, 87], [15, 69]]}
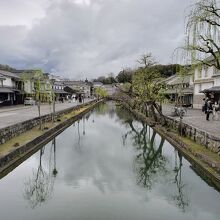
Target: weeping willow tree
{"points": [[203, 33]]}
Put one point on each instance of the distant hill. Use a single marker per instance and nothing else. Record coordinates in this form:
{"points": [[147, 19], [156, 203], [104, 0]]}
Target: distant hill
{"points": [[7, 68], [13, 70], [167, 70]]}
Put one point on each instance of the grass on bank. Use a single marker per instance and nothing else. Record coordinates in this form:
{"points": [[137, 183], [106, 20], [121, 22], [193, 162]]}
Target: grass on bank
{"points": [[31, 134], [193, 149]]}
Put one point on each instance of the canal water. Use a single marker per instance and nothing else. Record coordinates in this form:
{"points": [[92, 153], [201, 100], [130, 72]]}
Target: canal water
{"points": [[107, 166]]}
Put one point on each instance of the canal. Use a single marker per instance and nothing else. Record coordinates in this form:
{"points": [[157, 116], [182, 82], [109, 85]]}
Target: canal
{"points": [[107, 166]]}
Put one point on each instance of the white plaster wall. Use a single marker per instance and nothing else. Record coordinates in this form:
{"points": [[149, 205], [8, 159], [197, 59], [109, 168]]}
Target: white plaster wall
{"points": [[191, 80], [207, 85], [8, 82], [217, 81], [204, 69], [206, 72], [196, 89], [28, 85], [210, 72], [196, 73]]}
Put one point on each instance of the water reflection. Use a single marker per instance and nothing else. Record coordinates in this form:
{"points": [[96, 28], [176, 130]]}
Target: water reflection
{"points": [[180, 197], [39, 186], [150, 163], [107, 166]]}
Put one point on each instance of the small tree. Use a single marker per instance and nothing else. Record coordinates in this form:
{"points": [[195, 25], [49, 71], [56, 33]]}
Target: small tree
{"points": [[38, 78], [125, 76], [100, 92], [146, 87]]}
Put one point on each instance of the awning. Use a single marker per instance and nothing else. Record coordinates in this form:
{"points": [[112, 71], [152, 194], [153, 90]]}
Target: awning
{"points": [[5, 90], [214, 89], [16, 90], [59, 91]]}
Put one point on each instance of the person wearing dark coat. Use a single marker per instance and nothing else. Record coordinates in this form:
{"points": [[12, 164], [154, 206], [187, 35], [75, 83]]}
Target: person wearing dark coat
{"points": [[208, 108]]}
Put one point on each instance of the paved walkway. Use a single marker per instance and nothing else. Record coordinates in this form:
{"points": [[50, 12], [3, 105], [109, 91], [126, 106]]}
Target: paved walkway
{"points": [[197, 118], [14, 114]]}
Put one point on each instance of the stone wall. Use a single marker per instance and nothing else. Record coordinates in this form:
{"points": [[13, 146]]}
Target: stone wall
{"points": [[15, 130], [199, 136]]}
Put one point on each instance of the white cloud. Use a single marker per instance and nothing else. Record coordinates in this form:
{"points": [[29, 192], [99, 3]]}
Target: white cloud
{"points": [[89, 37]]}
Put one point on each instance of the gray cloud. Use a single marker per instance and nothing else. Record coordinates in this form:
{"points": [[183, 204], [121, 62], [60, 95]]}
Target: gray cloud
{"points": [[91, 38]]}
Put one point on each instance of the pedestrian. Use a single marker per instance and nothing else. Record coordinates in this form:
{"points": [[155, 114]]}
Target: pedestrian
{"points": [[80, 98], [209, 109], [204, 105], [215, 108]]}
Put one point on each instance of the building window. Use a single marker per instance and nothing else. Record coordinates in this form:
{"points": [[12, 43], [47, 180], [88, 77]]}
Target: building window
{"points": [[199, 72], [206, 71], [215, 71], [200, 87]]}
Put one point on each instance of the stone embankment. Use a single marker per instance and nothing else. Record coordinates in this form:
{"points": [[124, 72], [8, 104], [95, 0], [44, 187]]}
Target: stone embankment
{"points": [[15, 130], [21, 152], [196, 134], [200, 148]]}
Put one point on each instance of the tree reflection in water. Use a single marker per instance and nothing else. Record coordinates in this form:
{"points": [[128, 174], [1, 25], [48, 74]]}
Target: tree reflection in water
{"points": [[39, 187], [149, 163], [180, 197]]}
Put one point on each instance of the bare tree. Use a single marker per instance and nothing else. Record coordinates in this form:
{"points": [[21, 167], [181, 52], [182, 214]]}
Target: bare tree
{"points": [[146, 60]]}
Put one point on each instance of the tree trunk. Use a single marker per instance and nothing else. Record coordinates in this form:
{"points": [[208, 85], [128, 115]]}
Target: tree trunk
{"points": [[153, 112], [159, 110], [39, 113]]}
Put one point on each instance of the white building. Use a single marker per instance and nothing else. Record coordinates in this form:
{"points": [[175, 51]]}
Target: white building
{"points": [[206, 81], [179, 89], [75, 87], [10, 88]]}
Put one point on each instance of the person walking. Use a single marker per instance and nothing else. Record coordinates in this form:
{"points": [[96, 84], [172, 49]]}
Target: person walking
{"points": [[209, 109], [215, 108], [204, 105]]}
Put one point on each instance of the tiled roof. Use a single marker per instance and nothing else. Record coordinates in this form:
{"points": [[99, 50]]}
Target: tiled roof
{"points": [[185, 91], [179, 80], [9, 74]]}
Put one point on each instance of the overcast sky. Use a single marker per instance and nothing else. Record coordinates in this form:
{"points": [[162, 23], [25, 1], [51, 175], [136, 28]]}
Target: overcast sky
{"points": [[89, 38]]}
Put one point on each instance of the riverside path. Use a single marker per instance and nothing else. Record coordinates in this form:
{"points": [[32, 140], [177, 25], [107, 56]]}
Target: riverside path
{"points": [[14, 114]]}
